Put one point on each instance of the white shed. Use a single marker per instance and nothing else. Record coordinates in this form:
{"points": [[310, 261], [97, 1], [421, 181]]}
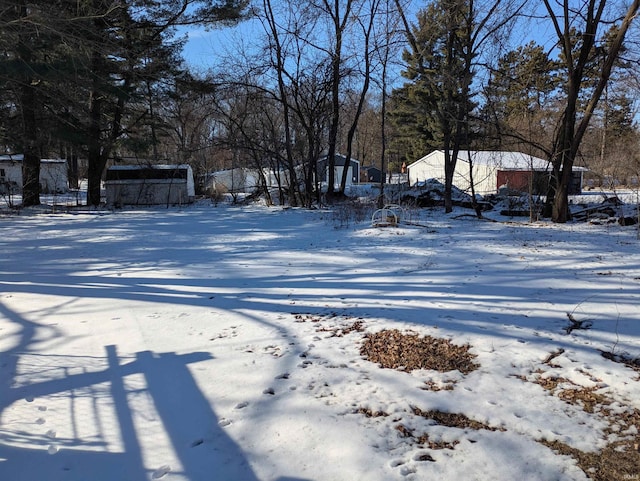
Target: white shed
{"points": [[53, 175], [491, 171], [149, 185], [232, 180]]}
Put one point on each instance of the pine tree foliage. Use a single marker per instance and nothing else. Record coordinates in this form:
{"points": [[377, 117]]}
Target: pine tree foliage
{"points": [[89, 74]]}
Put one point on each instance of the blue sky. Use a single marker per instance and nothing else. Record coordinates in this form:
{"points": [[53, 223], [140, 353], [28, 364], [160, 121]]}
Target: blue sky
{"points": [[205, 48]]}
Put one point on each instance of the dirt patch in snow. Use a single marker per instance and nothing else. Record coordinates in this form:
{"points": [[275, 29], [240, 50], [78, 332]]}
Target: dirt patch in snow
{"points": [[393, 349]]}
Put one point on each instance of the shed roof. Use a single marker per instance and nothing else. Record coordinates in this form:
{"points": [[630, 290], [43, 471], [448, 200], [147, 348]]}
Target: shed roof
{"points": [[154, 166], [20, 158], [340, 159]]}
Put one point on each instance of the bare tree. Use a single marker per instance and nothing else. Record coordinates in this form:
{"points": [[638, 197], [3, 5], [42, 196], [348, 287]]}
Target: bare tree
{"points": [[339, 14], [581, 21], [366, 21]]}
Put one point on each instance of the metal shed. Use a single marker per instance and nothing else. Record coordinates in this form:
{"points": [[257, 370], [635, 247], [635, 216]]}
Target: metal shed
{"points": [[149, 185]]}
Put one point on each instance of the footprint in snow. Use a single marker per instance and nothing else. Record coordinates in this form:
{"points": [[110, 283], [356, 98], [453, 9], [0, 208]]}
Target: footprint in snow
{"points": [[161, 472], [422, 457], [242, 405], [407, 470], [284, 375], [224, 422]]}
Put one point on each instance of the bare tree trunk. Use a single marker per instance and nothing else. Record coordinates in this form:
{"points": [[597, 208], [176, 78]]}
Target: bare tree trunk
{"points": [[571, 131], [339, 21], [367, 30], [383, 130], [280, 67], [31, 152], [31, 161], [96, 161]]}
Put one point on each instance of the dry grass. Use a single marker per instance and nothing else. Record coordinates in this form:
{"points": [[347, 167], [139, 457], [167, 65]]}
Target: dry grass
{"points": [[393, 349]]}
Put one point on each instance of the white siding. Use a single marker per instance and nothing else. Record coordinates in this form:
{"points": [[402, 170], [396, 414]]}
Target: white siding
{"points": [[430, 166], [53, 173], [53, 176], [234, 180], [485, 168], [338, 169]]}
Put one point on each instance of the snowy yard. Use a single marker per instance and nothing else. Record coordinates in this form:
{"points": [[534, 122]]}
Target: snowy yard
{"points": [[225, 343]]}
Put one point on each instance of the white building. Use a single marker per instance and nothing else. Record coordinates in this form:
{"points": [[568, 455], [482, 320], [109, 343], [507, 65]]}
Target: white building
{"points": [[492, 170], [53, 175]]}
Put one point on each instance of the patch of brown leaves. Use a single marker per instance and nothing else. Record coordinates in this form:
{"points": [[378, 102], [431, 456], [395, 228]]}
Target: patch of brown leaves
{"points": [[620, 459], [344, 326], [571, 393], [633, 363], [368, 412], [424, 440], [614, 463], [340, 331], [453, 420], [435, 386], [393, 349], [450, 420]]}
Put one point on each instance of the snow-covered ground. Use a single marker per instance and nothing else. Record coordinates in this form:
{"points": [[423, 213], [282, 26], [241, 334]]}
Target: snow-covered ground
{"points": [[219, 343]]}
